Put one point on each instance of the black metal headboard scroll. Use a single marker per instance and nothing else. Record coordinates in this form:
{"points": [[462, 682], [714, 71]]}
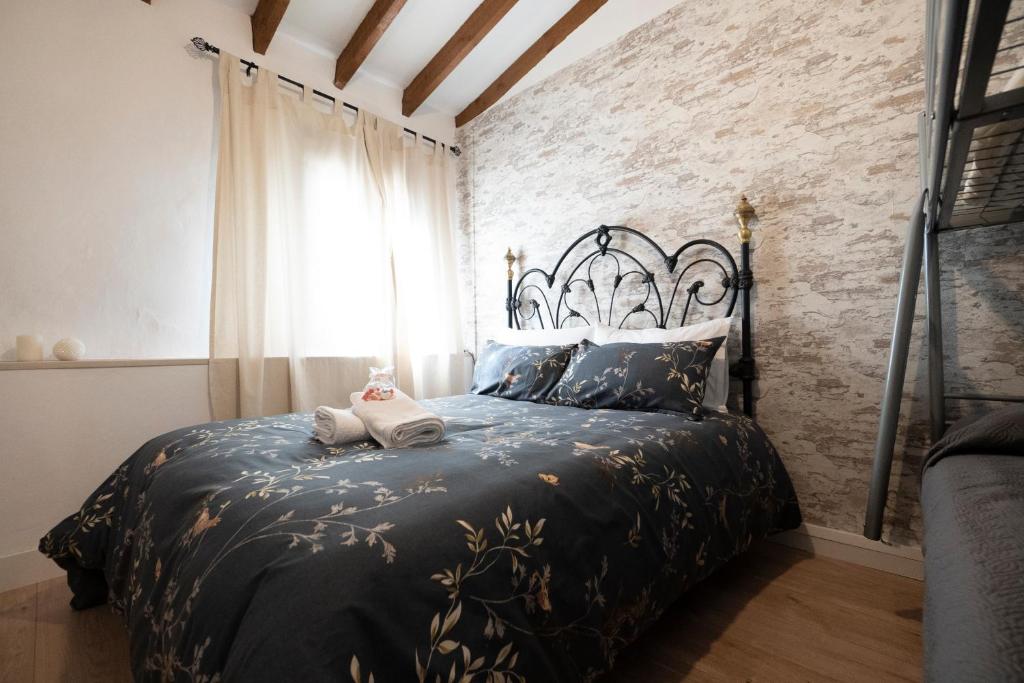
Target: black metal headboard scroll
{"points": [[702, 270]]}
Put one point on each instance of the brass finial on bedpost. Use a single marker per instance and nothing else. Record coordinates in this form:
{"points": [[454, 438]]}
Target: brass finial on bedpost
{"points": [[744, 282], [744, 212], [510, 258]]}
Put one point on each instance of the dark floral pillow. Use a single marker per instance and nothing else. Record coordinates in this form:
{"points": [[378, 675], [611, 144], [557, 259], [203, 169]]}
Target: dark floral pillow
{"points": [[667, 376], [520, 373]]}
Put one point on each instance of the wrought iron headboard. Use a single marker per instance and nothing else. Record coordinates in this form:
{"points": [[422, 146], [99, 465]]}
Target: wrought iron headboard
{"points": [[528, 301]]}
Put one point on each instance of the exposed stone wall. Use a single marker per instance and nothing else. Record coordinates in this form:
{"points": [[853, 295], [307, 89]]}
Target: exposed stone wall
{"points": [[809, 108]]}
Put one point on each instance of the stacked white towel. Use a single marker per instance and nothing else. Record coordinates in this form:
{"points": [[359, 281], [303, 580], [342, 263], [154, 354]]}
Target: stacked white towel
{"points": [[398, 422], [333, 426]]}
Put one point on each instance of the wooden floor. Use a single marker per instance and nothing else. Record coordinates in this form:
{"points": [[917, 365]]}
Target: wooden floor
{"points": [[776, 614]]}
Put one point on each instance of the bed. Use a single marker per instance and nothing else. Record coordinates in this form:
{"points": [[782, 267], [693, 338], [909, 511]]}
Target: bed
{"points": [[534, 542], [972, 500]]}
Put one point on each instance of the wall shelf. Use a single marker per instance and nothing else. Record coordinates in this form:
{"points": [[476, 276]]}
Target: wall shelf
{"points": [[100, 363]]}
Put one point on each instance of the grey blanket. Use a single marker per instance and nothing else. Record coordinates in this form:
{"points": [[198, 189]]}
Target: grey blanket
{"points": [[972, 500], [998, 433]]}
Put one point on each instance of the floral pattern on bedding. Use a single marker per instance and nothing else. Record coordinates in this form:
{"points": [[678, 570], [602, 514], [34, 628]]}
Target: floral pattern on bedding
{"points": [[667, 376], [534, 543], [520, 373]]}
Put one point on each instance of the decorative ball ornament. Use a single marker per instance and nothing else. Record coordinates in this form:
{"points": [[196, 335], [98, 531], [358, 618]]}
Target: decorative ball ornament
{"points": [[69, 348]]}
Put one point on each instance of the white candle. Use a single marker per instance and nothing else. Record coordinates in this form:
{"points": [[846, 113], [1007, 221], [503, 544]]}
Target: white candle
{"points": [[30, 347]]}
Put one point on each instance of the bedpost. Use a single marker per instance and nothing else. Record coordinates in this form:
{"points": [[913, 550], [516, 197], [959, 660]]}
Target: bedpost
{"points": [[745, 367], [932, 294], [510, 258]]}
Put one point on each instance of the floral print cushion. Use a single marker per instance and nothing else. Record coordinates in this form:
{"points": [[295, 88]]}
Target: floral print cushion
{"points": [[520, 373], [668, 376]]}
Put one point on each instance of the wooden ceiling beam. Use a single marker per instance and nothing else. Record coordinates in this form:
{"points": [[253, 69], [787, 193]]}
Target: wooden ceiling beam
{"points": [[551, 39], [265, 21], [484, 18], [370, 30]]}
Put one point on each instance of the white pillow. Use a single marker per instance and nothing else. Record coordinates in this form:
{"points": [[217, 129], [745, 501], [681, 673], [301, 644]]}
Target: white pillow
{"points": [[562, 337], [717, 391]]}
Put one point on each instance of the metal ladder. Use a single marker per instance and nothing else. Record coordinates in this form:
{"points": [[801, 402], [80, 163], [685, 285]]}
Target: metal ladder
{"points": [[945, 134]]}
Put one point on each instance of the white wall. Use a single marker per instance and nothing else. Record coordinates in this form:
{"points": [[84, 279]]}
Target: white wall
{"points": [[107, 161], [107, 132], [62, 432]]}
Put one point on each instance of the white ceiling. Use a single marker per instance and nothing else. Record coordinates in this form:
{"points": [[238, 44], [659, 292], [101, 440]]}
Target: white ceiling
{"points": [[423, 26]]}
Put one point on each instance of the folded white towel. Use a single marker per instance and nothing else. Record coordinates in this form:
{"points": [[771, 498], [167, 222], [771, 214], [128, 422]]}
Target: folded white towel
{"points": [[333, 426], [398, 422]]}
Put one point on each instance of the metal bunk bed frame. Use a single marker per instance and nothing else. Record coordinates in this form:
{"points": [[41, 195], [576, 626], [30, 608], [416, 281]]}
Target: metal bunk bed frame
{"points": [[948, 130]]}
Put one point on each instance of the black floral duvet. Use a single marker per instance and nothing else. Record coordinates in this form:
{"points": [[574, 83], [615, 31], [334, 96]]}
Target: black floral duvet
{"points": [[534, 543]]}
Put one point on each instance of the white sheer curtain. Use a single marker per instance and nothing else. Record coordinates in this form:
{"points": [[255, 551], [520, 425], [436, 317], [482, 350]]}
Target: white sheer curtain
{"points": [[417, 192], [317, 222]]}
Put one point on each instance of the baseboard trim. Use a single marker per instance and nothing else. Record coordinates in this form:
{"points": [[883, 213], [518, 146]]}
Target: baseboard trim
{"points": [[843, 545], [23, 569]]}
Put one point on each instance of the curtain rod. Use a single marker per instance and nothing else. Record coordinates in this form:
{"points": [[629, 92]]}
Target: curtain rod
{"points": [[204, 46]]}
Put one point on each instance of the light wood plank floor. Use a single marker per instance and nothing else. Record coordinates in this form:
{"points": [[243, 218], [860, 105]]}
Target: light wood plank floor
{"points": [[776, 614]]}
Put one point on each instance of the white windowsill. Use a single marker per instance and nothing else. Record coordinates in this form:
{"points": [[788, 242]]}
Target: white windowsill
{"points": [[99, 363]]}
